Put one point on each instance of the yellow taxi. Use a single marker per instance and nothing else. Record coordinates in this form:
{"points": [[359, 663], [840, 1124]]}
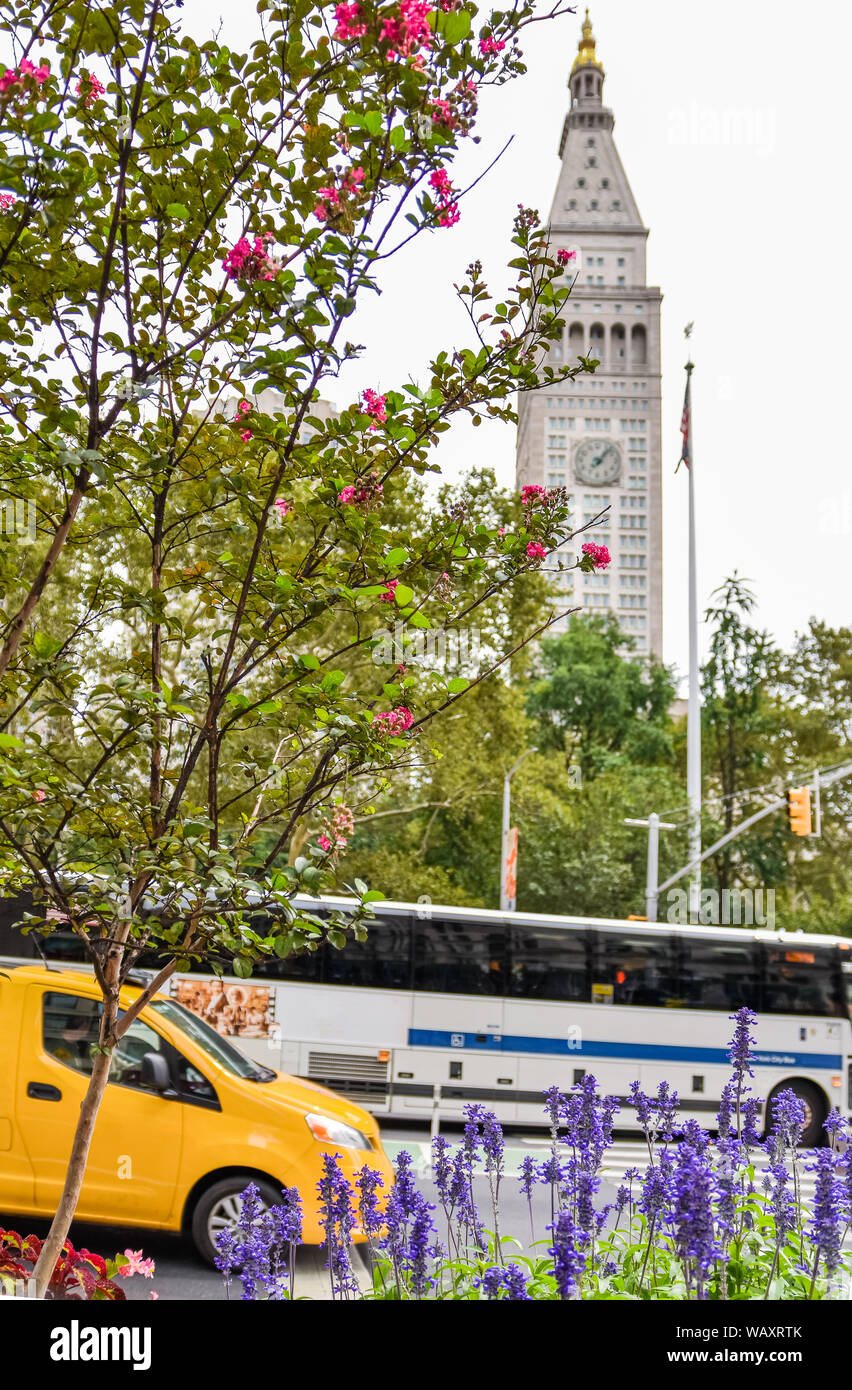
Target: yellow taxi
{"points": [[186, 1122]]}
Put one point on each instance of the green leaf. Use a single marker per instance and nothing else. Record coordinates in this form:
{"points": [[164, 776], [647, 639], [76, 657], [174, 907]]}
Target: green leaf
{"points": [[372, 121], [178, 211], [310, 661], [396, 557], [457, 684], [456, 27], [242, 967], [403, 595], [9, 741]]}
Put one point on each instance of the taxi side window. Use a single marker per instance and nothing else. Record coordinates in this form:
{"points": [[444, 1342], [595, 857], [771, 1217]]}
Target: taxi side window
{"points": [[70, 1027], [126, 1069]]}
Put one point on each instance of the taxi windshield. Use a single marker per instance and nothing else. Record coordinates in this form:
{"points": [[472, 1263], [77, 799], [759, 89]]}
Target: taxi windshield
{"points": [[224, 1052]]}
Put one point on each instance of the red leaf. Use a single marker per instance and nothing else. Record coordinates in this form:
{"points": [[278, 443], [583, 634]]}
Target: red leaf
{"points": [[97, 1261]]}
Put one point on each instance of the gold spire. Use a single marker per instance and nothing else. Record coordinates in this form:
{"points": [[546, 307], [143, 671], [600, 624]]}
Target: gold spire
{"points": [[586, 49]]}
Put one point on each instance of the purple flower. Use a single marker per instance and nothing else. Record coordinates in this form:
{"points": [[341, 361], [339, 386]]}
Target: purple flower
{"points": [[752, 1136], [569, 1260], [527, 1176], [337, 1220], [442, 1168], [692, 1212], [787, 1121], [741, 1043], [826, 1222], [508, 1283], [724, 1118], [554, 1100], [419, 1251], [643, 1105], [656, 1189], [367, 1183]]}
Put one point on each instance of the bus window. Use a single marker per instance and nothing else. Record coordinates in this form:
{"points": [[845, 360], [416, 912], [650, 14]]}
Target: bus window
{"points": [[548, 963], [459, 957], [719, 974], [801, 979], [637, 969], [383, 961]]}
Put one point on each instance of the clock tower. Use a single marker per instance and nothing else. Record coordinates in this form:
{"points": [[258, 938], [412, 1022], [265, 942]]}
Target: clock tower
{"points": [[599, 437]]}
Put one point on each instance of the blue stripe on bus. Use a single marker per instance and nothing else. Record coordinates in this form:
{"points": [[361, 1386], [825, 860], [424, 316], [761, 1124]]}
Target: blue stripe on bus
{"points": [[649, 1052]]}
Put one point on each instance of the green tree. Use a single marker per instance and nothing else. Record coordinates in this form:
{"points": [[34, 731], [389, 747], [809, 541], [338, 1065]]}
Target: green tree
{"points": [[186, 226], [597, 707]]}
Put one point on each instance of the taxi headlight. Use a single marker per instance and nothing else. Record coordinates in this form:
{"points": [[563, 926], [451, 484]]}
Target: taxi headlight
{"points": [[329, 1131]]}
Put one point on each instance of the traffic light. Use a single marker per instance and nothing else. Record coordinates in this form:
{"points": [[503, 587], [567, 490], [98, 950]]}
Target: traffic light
{"points": [[799, 810]]}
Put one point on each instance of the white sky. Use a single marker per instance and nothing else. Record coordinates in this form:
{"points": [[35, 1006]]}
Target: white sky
{"points": [[732, 124]]}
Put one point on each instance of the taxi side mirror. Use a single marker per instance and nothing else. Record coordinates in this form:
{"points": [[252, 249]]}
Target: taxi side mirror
{"points": [[155, 1073]]}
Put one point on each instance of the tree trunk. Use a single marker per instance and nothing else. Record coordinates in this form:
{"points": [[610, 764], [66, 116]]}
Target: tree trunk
{"points": [[61, 1223]]}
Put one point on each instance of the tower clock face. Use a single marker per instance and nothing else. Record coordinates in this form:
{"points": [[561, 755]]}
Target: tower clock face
{"points": [[597, 461]]}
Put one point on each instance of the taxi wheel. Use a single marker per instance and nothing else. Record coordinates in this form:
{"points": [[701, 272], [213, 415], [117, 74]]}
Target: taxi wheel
{"points": [[219, 1208]]}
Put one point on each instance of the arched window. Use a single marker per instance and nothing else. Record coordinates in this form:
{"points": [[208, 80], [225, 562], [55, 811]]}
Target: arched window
{"points": [[618, 341], [576, 338], [596, 341], [638, 345]]}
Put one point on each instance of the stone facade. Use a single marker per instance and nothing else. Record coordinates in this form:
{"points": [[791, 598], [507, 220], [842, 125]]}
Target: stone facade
{"points": [[600, 436]]}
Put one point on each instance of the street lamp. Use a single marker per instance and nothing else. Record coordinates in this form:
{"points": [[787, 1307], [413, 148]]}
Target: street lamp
{"points": [[507, 903], [654, 826]]}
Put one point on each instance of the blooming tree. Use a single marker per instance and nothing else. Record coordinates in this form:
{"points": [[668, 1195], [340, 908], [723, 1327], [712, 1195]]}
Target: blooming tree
{"points": [[183, 227]]}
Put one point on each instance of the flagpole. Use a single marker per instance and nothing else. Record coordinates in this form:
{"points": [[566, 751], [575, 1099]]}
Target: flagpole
{"points": [[693, 724]]}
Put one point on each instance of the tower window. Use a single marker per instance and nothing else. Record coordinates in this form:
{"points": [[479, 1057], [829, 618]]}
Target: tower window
{"points": [[581, 183], [594, 205], [616, 205], [604, 183], [591, 142], [592, 162]]}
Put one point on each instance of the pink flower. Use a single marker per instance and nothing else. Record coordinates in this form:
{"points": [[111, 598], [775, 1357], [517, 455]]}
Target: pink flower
{"points": [[245, 436], [410, 31], [243, 408], [325, 843], [152, 1295], [89, 88], [137, 1265], [563, 256], [388, 595], [501, 530], [394, 722], [443, 114], [487, 46], [349, 24], [14, 82], [536, 550], [530, 493], [39, 795], [449, 209], [282, 507], [364, 493], [250, 261], [7, 200], [599, 555], [375, 405], [353, 178]]}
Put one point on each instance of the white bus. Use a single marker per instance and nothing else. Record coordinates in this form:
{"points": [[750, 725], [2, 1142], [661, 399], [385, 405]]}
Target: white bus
{"points": [[496, 1007]]}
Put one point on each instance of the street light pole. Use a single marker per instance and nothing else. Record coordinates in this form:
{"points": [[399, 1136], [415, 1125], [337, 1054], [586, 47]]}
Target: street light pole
{"points": [[652, 892], [507, 818]]}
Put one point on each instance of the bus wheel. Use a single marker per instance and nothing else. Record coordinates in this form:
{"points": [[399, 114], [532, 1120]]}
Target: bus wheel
{"points": [[813, 1134], [218, 1209]]}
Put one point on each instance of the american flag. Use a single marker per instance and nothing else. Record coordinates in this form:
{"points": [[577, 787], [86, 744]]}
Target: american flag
{"points": [[686, 424]]}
